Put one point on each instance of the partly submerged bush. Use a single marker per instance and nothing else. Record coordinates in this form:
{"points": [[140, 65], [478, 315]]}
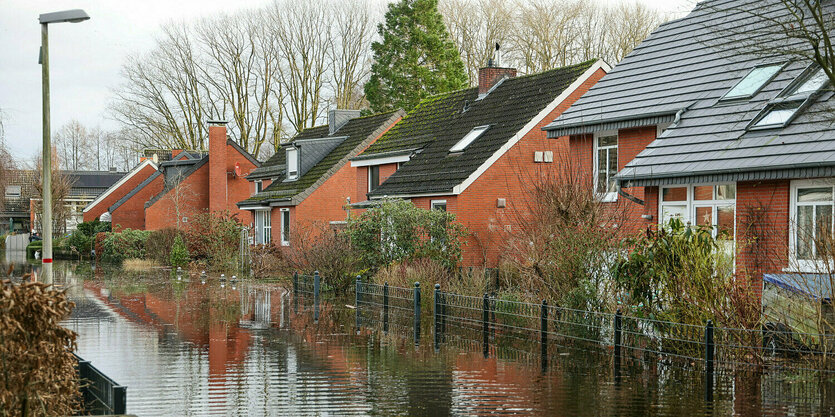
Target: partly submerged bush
{"points": [[38, 375], [214, 240], [179, 253], [159, 244], [328, 251], [124, 245]]}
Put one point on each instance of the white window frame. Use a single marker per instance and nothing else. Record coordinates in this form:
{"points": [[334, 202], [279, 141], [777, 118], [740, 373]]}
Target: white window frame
{"points": [[469, 138], [606, 197], [370, 168], [434, 203], [13, 195], [263, 227], [691, 204], [292, 154], [259, 186], [805, 265], [285, 233]]}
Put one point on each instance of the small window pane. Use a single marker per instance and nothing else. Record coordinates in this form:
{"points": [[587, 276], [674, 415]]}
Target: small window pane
{"points": [[726, 192], [669, 212], [704, 216], [373, 177], [779, 114], [613, 165], [285, 226], [805, 195], [703, 192], [753, 81], [805, 235], [725, 221], [823, 223], [469, 138], [611, 140], [815, 81], [675, 194], [602, 181]]}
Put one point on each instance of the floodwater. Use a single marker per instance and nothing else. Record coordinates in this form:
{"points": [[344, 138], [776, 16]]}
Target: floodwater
{"points": [[185, 347]]}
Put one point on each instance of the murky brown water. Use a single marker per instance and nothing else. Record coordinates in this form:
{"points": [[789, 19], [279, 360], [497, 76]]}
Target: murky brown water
{"points": [[193, 348]]}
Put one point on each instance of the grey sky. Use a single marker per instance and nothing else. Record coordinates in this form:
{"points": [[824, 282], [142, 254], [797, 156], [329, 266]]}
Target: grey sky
{"points": [[85, 58]]}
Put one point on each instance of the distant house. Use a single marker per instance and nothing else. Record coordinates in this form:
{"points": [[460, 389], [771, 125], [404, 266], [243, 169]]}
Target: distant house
{"points": [[742, 143], [168, 188], [475, 152], [86, 186], [19, 188], [307, 184]]}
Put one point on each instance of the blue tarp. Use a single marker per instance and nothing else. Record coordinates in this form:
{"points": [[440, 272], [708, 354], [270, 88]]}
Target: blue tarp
{"points": [[817, 286]]}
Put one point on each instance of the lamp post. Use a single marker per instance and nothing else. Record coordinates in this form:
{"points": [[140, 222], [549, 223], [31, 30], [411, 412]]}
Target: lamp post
{"points": [[72, 16]]}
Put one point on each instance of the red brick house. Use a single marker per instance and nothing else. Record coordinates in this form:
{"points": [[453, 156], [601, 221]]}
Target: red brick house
{"points": [[99, 208], [305, 187], [189, 183], [475, 151], [733, 141]]}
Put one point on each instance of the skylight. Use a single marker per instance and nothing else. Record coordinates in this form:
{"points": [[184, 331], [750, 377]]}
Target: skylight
{"points": [[777, 115], [469, 138], [753, 81], [808, 82]]}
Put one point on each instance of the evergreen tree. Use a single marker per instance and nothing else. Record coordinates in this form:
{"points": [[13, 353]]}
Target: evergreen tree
{"points": [[415, 58]]}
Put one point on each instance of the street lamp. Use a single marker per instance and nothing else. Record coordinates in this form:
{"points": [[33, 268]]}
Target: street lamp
{"points": [[72, 16]]}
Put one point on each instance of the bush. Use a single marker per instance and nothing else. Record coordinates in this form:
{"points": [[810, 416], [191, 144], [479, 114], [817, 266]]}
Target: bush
{"points": [[179, 253], [80, 242], [128, 243], [270, 261], [159, 244], [329, 252], [396, 230], [214, 239], [39, 375]]}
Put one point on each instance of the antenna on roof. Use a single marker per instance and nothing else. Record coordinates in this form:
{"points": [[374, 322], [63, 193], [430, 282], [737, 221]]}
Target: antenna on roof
{"points": [[498, 56]]}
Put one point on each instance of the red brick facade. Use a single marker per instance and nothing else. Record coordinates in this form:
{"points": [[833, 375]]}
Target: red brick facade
{"points": [[99, 207], [131, 214], [489, 76]]}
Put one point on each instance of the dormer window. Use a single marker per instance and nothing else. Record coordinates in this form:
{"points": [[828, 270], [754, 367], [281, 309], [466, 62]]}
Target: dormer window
{"points": [[469, 138], [753, 82], [292, 163]]}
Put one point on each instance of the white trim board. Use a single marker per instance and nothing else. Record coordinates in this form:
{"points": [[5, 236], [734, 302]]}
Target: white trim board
{"points": [[600, 64], [381, 161], [121, 182]]}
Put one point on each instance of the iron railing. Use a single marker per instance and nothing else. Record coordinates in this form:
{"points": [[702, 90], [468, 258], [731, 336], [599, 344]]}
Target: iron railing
{"points": [[99, 393]]}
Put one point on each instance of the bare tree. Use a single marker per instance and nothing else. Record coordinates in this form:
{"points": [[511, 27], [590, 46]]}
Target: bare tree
{"points": [[73, 144], [61, 185], [476, 26], [350, 51]]}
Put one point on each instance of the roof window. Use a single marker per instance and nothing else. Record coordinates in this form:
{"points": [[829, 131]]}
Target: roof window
{"points": [[777, 115], [469, 138], [753, 82], [796, 96], [809, 81]]}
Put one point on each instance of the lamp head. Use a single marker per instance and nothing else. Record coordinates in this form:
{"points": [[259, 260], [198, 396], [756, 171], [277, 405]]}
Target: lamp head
{"points": [[72, 16]]}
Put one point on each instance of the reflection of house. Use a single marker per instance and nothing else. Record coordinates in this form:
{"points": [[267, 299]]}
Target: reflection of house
{"points": [[167, 188], [685, 127], [85, 188], [19, 188]]}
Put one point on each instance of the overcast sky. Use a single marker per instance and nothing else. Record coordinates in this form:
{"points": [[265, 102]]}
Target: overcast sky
{"points": [[85, 58]]}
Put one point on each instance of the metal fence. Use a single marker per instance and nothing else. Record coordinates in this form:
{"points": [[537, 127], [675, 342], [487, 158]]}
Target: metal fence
{"points": [[99, 393], [493, 321]]}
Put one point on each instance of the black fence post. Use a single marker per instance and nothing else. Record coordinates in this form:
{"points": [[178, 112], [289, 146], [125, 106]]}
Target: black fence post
{"points": [[386, 307], [120, 399], [357, 290], [543, 333], [485, 321], [417, 312], [437, 314], [316, 296], [295, 283], [618, 342], [709, 359]]}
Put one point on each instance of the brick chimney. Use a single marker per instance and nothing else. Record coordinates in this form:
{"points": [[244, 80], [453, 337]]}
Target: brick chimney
{"points": [[490, 75], [217, 166]]}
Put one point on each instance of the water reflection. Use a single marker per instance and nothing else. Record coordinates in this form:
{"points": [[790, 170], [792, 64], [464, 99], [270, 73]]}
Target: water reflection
{"points": [[185, 347]]}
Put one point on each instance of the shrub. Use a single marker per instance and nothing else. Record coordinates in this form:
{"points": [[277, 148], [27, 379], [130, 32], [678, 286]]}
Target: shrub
{"points": [[128, 243], [327, 251], [159, 244], [397, 230], [39, 375], [270, 261], [179, 253], [214, 239], [80, 242]]}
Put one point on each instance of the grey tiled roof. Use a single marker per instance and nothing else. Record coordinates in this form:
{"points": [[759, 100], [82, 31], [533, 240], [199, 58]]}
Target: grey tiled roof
{"points": [[439, 122], [688, 65]]}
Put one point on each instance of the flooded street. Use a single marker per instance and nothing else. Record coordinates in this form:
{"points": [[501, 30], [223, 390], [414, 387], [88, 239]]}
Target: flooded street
{"points": [[185, 347]]}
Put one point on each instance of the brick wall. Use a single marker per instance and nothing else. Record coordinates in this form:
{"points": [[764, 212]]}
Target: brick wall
{"points": [[489, 76], [237, 188], [218, 168], [762, 228], [131, 214], [190, 198], [95, 211]]}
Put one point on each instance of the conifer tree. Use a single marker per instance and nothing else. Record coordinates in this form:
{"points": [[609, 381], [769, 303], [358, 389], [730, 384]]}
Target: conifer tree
{"points": [[414, 59]]}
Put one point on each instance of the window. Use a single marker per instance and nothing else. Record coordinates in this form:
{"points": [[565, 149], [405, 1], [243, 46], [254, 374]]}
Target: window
{"points": [[285, 227], [812, 221], [776, 115], [263, 227], [292, 163], [810, 81], [439, 205], [606, 164], [753, 82], [258, 186], [373, 177], [469, 138], [12, 191], [711, 205]]}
